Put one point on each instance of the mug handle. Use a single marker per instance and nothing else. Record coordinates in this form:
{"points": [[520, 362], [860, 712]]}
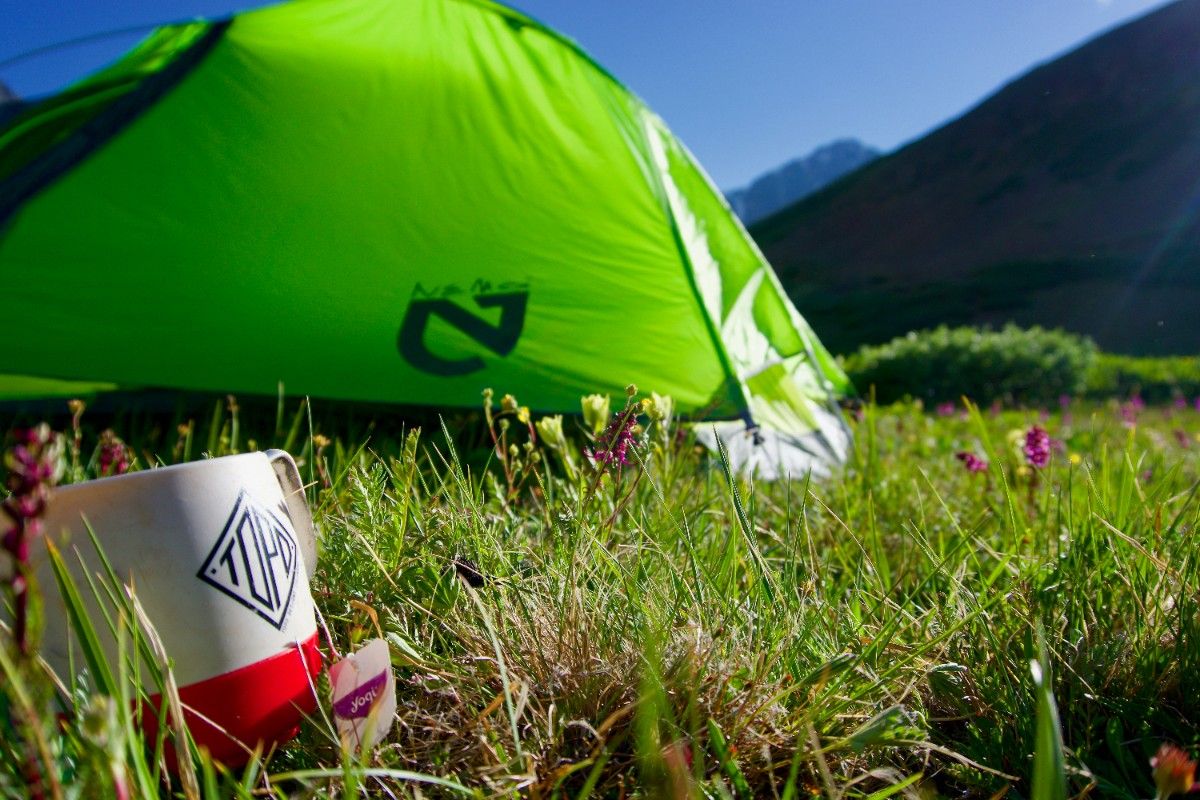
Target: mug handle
{"points": [[292, 484]]}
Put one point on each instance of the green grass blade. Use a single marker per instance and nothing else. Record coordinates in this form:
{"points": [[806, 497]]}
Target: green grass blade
{"points": [[1049, 762], [81, 624]]}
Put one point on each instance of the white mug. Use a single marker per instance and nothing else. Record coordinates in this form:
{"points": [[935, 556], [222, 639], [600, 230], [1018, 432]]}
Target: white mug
{"points": [[219, 553]]}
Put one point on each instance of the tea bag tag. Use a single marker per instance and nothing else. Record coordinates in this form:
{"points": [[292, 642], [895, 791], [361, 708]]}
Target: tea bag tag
{"points": [[364, 694]]}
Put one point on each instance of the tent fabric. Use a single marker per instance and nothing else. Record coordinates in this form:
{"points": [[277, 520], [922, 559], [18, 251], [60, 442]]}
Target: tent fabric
{"points": [[388, 200], [40, 143]]}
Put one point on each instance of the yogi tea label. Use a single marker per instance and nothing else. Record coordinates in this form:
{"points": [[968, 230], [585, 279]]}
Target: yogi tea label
{"points": [[254, 561], [363, 685], [358, 702]]}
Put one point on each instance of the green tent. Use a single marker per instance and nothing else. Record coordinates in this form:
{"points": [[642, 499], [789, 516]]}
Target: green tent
{"points": [[390, 200]]}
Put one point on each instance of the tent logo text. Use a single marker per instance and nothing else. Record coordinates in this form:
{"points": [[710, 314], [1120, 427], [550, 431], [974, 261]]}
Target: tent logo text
{"points": [[254, 561], [510, 297]]}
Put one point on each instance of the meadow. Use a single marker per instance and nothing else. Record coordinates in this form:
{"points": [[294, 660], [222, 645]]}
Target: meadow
{"points": [[995, 602]]}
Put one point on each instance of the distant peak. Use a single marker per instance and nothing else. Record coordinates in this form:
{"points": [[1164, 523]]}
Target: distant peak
{"points": [[799, 178]]}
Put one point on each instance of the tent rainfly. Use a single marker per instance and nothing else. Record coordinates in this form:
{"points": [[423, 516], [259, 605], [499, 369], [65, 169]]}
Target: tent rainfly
{"points": [[402, 201]]}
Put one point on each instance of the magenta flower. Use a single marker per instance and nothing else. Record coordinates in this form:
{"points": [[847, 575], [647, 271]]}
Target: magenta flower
{"points": [[114, 455], [615, 441], [1037, 447], [31, 472], [972, 462], [945, 409], [1131, 408]]}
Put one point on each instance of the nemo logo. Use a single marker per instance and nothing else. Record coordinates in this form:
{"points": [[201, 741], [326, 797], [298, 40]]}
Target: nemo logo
{"points": [[468, 317]]}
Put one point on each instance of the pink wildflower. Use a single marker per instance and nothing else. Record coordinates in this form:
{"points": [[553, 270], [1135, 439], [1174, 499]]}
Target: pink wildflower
{"points": [[31, 472], [615, 441], [1037, 447], [945, 409], [972, 462], [114, 455]]}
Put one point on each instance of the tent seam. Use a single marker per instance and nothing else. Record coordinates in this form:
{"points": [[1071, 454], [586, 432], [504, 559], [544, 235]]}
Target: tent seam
{"points": [[50, 166], [831, 392], [689, 270]]}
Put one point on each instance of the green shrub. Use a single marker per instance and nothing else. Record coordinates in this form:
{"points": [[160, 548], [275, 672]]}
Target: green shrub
{"points": [[1155, 380], [942, 365]]}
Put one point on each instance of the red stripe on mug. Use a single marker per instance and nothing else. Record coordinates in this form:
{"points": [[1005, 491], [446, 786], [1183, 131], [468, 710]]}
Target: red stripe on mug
{"points": [[261, 702]]}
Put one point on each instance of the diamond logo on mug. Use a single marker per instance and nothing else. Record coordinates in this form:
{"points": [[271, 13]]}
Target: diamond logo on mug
{"points": [[254, 561]]}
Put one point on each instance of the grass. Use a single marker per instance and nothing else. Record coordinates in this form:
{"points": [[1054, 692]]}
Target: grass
{"points": [[668, 630]]}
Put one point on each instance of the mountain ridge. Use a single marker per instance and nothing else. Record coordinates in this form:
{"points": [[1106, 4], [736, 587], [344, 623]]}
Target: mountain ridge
{"points": [[1067, 197], [798, 178]]}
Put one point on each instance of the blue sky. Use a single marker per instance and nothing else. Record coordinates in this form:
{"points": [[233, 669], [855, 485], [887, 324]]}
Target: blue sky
{"points": [[746, 84]]}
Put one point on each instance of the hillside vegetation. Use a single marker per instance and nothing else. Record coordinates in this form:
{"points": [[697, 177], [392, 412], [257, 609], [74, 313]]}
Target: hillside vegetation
{"points": [[1067, 198], [1015, 365]]}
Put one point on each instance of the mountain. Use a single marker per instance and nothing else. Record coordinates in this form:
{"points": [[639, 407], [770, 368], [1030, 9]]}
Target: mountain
{"points": [[9, 102], [1069, 198], [798, 179]]}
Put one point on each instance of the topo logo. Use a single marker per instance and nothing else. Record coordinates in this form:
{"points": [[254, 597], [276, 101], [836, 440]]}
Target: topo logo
{"points": [[254, 561]]}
